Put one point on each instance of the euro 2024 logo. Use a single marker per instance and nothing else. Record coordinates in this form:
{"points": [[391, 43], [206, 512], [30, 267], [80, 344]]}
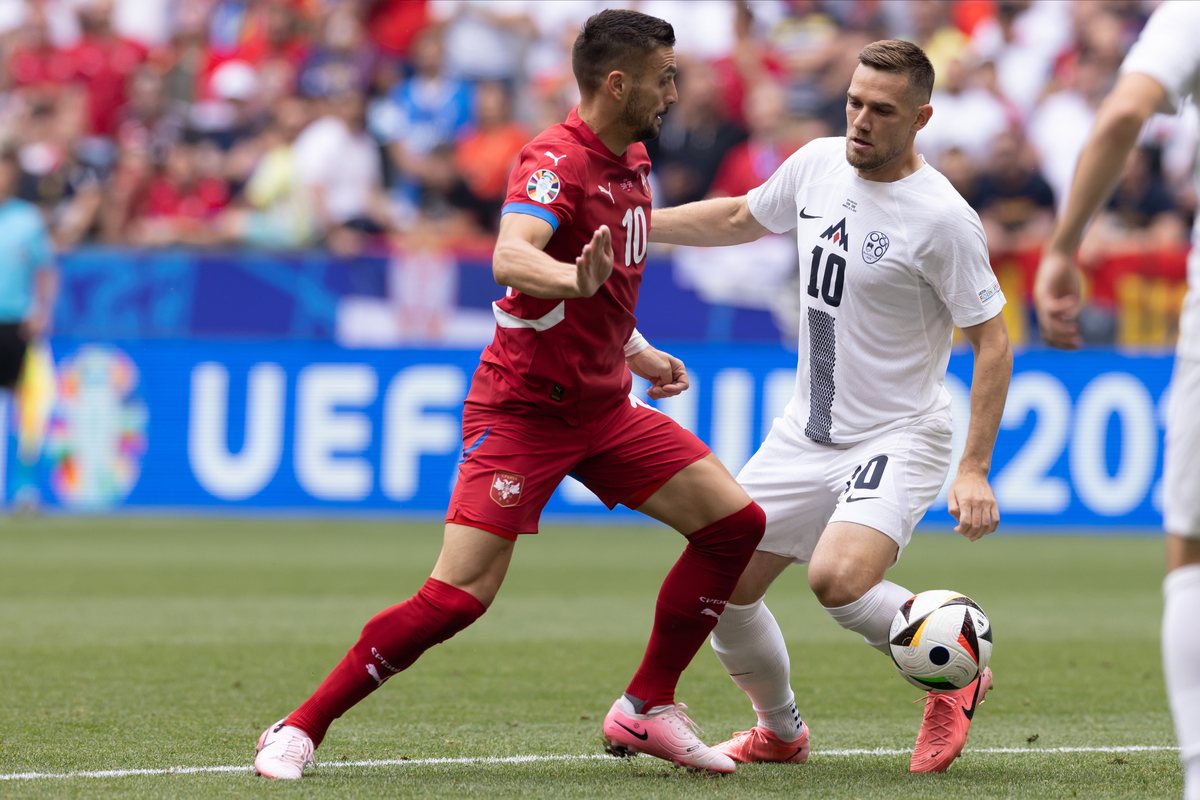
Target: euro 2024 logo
{"points": [[97, 434]]}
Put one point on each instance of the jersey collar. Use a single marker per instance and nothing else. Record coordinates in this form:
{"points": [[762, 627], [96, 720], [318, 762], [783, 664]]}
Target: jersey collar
{"points": [[589, 138]]}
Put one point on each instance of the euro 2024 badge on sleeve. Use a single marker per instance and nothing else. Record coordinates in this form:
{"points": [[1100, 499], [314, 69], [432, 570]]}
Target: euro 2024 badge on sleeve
{"points": [[543, 186]]}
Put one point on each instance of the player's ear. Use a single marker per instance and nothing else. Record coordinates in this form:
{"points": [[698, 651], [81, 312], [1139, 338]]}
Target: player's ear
{"points": [[617, 84], [924, 112]]}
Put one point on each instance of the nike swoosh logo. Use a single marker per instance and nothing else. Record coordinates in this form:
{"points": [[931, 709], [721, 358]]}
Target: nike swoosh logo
{"points": [[642, 736], [793, 755], [856, 499], [807, 216], [969, 713]]}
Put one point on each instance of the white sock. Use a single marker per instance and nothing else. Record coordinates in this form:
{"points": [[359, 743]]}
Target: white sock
{"points": [[871, 615], [750, 645], [1181, 667]]}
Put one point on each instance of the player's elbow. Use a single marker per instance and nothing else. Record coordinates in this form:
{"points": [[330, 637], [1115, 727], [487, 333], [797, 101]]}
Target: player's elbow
{"points": [[745, 227], [504, 259]]}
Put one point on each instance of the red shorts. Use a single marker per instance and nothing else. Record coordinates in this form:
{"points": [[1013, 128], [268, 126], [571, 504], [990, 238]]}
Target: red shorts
{"points": [[512, 463]]}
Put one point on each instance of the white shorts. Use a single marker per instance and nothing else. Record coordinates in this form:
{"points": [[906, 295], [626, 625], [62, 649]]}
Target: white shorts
{"points": [[1181, 459], [886, 483]]}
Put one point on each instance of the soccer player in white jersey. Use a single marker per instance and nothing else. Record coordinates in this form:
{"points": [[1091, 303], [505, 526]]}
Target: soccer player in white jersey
{"points": [[1159, 73], [891, 259]]}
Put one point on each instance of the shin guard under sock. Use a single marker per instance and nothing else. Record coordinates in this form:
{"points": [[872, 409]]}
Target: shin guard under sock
{"points": [[691, 601]]}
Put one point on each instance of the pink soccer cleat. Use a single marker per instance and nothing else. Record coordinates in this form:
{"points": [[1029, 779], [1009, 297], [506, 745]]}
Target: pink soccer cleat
{"points": [[283, 752], [666, 733], [761, 745], [944, 729]]}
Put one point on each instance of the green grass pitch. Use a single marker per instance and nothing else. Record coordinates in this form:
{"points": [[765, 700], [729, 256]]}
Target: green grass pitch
{"points": [[139, 643]]}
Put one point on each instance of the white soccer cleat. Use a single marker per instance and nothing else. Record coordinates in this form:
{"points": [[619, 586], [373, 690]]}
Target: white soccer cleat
{"points": [[283, 752], [666, 732]]}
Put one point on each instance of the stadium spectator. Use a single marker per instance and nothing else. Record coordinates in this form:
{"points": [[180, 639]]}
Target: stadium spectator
{"points": [[60, 172], [340, 62], [339, 162], [181, 201], [484, 38], [103, 61], [968, 117], [393, 24], [185, 61], [751, 61], [1059, 126], [959, 169], [235, 109], [1014, 201], [942, 41], [151, 119], [1141, 210], [485, 154], [277, 48], [278, 209], [427, 110], [33, 61], [770, 142], [1022, 41], [695, 137]]}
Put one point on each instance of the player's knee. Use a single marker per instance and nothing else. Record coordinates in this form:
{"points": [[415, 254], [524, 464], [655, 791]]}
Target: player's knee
{"points": [[734, 537], [836, 582]]}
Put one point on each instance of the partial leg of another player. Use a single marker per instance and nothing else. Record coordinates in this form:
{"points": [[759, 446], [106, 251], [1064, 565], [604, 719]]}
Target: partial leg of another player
{"points": [[1181, 589], [1181, 653], [723, 526], [465, 580], [750, 646]]}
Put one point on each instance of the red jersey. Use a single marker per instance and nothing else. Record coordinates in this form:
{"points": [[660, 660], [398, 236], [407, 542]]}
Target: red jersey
{"points": [[567, 357]]}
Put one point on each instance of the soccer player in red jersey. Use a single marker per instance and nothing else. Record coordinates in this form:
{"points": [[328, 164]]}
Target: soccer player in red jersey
{"points": [[552, 397]]}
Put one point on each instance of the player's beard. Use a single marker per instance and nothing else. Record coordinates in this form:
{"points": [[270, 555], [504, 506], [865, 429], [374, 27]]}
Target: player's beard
{"points": [[875, 158], [641, 118]]}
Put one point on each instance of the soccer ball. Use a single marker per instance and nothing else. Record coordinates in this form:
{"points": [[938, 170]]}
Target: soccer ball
{"points": [[940, 640]]}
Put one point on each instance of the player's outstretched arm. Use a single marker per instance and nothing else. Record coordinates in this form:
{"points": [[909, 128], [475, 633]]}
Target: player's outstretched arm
{"points": [[1120, 118], [717, 222], [971, 500], [519, 262]]}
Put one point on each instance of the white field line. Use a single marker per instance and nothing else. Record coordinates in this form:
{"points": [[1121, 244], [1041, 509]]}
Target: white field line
{"points": [[417, 762]]}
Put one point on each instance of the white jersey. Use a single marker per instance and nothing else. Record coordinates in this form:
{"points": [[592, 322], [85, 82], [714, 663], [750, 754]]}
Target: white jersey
{"points": [[1169, 51], [887, 270]]}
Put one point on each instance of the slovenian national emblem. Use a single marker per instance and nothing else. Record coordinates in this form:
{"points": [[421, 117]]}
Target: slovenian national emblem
{"points": [[506, 488], [874, 247], [543, 186]]}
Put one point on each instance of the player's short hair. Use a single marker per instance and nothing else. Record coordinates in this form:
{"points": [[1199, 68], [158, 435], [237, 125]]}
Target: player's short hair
{"points": [[903, 58], [616, 39]]}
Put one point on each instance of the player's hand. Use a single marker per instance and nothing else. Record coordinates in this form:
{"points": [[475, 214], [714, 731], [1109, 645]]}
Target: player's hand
{"points": [[1057, 295], [666, 373], [972, 503], [595, 263]]}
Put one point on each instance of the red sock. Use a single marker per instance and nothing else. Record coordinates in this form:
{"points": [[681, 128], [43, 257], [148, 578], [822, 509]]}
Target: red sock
{"points": [[691, 600], [390, 643]]}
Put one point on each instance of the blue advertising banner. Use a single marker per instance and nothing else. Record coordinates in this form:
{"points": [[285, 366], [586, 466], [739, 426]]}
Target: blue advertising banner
{"points": [[306, 425]]}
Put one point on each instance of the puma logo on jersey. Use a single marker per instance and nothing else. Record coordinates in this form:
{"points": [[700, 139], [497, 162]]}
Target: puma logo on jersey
{"points": [[711, 613], [608, 192], [556, 158]]}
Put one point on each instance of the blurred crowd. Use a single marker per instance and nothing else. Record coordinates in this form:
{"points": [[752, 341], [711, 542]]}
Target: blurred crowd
{"points": [[336, 123]]}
